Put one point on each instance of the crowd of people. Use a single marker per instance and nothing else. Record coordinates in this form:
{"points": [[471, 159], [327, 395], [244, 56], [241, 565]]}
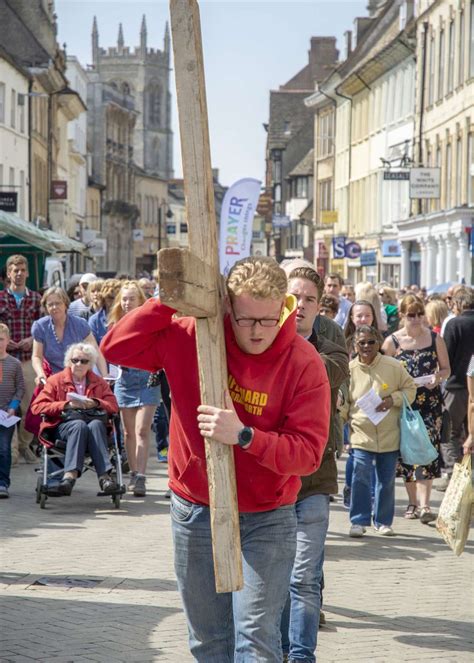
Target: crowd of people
{"points": [[304, 354]]}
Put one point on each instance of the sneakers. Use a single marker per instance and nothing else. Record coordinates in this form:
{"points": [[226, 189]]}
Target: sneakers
{"points": [[4, 492], [28, 455], [140, 488], [346, 497], [356, 531], [384, 530], [163, 455], [131, 482]]}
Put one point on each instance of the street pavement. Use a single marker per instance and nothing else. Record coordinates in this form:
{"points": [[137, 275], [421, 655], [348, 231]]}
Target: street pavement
{"points": [[82, 581]]}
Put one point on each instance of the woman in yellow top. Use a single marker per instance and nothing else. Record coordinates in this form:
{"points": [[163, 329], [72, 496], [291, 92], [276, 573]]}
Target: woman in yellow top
{"points": [[379, 442]]}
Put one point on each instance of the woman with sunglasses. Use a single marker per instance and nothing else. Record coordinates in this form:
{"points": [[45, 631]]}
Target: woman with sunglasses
{"points": [[424, 353], [374, 443], [63, 413]]}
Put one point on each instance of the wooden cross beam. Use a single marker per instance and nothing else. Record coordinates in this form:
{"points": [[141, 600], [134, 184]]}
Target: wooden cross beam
{"points": [[190, 282]]}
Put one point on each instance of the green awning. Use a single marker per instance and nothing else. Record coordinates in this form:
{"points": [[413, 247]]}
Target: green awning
{"points": [[45, 240]]}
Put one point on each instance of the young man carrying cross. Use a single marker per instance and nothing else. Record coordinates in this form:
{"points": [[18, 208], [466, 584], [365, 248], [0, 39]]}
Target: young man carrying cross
{"points": [[277, 419]]}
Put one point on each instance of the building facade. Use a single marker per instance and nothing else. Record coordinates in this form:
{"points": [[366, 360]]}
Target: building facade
{"points": [[436, 240]]}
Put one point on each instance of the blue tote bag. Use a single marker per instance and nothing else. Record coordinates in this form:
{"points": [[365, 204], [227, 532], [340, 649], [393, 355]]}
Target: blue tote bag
{"points": [[415, 443]]}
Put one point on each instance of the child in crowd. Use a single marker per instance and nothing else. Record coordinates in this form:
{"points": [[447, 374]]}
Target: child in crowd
{"points": [[12, 388]]}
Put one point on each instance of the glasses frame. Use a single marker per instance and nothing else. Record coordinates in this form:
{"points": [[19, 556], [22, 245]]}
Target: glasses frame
{"points": [[83, 362], [254, 321]]}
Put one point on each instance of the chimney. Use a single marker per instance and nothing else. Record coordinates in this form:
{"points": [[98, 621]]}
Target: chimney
{"points": [[347, 43]]}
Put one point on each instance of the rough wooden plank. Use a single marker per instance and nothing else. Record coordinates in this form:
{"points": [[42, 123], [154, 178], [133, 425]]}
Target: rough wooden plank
{"points": [[184, 283], [199, 194]]}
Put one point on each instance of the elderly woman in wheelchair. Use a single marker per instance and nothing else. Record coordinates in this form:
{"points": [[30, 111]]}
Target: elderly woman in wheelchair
{"points": [[75, 405]]}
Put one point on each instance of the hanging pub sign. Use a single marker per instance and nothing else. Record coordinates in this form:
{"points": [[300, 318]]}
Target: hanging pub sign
{"points": [[59, 190], [9, 201], [425, 182]]}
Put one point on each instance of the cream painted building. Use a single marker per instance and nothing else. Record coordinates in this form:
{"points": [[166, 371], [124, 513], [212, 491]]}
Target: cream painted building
{"points": [[436, 239], [150, 227], [14, 133]]}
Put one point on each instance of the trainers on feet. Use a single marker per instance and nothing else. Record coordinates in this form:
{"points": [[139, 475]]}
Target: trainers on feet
{"points": [[163, 455], [346, 497], [131, 482], [140, 487], [384, 530], [356, 531], [4, 492]]}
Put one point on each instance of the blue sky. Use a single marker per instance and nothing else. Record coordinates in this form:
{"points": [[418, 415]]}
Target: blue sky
{"points": [[249, 48]]}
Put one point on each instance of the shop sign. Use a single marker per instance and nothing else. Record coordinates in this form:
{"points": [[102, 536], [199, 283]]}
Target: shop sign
{"points": [[338, 247], [321, 250], [425, 182], [353, 250], [329, 216], [368, 258], [59, 190], [8, 201], [391, 248], [396, 175], [280, 221], [138, 235]]}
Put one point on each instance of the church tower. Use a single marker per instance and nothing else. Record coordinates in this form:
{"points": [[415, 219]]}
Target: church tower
{"points": [[143, 74]]}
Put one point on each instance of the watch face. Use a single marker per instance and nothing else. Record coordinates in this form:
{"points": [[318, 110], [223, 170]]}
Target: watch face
{"points": [[245, 435]]}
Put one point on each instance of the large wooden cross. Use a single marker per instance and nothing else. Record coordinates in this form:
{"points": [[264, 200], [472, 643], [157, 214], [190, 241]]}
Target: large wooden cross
{"points": [[190, 282]]}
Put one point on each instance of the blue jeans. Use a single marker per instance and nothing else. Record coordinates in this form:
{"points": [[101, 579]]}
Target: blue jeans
{"points": [[160, 427], [384, 505], [244, 626], [350, 470], [6, 435], [300, 621]]}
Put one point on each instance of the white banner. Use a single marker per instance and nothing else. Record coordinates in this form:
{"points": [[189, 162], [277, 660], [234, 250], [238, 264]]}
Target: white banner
{"points": [[238, 210]]}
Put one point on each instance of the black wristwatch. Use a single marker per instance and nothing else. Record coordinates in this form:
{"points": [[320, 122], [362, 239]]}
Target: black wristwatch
{"points": [[245, 436]]}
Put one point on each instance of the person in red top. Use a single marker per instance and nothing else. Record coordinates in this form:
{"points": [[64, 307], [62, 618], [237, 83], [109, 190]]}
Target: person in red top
{"points": [[276, 418], [19, 308]]}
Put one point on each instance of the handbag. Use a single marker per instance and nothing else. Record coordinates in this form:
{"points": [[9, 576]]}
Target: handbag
{"points": [[415, 443], [91, 414], [454, 515]]}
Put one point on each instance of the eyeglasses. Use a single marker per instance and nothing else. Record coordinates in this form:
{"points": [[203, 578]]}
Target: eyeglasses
{"points": [[251, 322], [364, 344], [75, 360], [412, 316]]}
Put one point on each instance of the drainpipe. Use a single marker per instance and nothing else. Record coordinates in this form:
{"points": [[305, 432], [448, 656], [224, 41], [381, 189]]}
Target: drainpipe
{"points": [[422, 103]]}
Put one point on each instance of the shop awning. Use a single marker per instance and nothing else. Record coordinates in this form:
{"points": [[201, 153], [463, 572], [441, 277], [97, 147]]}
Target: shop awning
{"points": [[45, 240]]}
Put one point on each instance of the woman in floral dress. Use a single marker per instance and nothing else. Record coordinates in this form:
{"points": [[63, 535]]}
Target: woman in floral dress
{"points": [[424, 354]]}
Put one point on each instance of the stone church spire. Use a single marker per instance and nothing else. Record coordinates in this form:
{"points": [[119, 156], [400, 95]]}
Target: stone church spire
{"points": [[95, 43], [143, 36], [166, 41], [120, 41]]}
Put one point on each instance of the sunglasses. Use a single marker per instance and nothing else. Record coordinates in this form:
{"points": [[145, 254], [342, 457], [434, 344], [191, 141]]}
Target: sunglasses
{"points": [[74, 360], [412, 316], [364, 344]]}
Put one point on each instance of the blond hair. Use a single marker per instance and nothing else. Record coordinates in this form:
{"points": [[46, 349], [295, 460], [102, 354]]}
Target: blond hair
{"points": [[4, 329], [117, 312], [436, 311], [259, 277], [55, 290]]}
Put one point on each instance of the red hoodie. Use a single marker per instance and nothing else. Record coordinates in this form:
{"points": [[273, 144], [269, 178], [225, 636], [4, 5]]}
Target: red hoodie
{"points": [[282, 393]]}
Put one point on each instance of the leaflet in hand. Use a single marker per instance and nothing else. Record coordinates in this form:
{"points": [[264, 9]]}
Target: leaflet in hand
{"points": [[423, 380], [72, 396], [7, 420], [368, 402]]}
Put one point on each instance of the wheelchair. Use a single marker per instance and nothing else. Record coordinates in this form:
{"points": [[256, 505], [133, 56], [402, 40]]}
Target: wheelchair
{"points": [[51, 451]]}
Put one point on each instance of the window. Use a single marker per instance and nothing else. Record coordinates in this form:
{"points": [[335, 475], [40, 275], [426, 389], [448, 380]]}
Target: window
{"points": [[154, 105], [1, 174], [448, 171], [470, 169], [431, 72], [21, 194], [326, 134], [461, 48], [458, 171], [276, 171], [301, 187], [451, 57], [471, 42], [2, 102], [441, 65], [325, 195], [13, 109]]}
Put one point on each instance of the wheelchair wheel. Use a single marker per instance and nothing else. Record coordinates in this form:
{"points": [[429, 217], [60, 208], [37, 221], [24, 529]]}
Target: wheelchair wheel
{"points": [[42, 500], [38, 490], [116, 500]]}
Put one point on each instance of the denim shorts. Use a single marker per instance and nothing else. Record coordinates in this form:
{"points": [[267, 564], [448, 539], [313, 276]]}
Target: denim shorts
{"points": [[131, 390]]}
